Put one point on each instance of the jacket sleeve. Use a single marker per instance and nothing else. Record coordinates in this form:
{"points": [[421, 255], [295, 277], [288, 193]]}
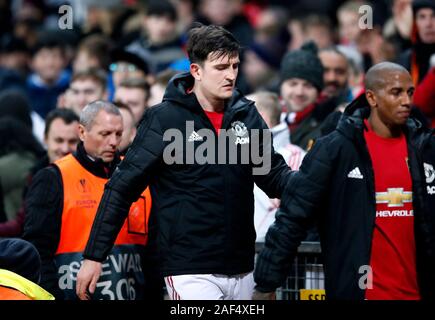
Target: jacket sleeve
{"points": [[125, 186], [272, 174], [305, 192], [43, 205]]}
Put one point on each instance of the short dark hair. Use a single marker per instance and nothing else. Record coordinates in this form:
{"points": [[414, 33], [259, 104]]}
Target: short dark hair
{"points": [[163, 77], [204, 40], [11, 44], [123, 106], [97, 46], [161, 8], [68, 116], [136, 83], [96, 74], [49, 40]]}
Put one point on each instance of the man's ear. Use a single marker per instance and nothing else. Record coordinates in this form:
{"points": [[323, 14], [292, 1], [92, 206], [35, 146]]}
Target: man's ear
{"points": [[196, 71], [82, 132], [371, 98]]}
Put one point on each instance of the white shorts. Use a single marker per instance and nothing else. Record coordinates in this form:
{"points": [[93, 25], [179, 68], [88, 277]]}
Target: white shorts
{"points": [[210, 287]]}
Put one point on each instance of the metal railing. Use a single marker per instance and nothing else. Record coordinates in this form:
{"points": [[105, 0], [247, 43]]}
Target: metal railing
{"points": [[305, 274]]}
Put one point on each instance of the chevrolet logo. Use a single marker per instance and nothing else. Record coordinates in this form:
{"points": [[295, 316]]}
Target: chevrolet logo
{"points": [[395, 197]]}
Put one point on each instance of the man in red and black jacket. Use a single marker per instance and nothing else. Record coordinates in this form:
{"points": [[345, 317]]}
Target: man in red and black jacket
{"points": [[202, 220], [370, 187]]}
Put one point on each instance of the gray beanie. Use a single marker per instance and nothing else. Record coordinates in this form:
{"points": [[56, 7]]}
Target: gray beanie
{"points": [[304, 64]]}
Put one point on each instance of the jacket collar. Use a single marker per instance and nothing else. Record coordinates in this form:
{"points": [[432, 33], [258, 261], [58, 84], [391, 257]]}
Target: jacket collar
{"points": [[181, 83], [97, 167], [352, 124]]}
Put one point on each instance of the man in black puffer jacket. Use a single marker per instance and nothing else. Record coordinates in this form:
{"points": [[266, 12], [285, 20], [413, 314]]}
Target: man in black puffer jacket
{"points": [[370, 186], [202, 219]]}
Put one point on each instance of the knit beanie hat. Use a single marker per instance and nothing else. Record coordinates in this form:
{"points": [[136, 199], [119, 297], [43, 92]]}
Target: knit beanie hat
{"points": [[304, 64], [21, 257]]}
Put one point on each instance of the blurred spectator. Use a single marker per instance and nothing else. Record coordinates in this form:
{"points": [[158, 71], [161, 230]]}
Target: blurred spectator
{"points": [[61, 134], [20, 271], [399, 27], [159, 45], [301, 84], [14, 59], [261, 65], [30, 9], [374, 47], [319, 29], [50, 78], [348, 22], [129, 131], [106, 18], [272, 24], [417, 58], [301, 78], [93, 52], [134, 92], [335, 75], [60, 138], [295, 27], [420, 59], [125, 65], [15, 104], [86, 86], [356, 69], [27, 30], [267, 104], [158, 88], [19, 151], [302, 75], [186, 13], [227, 13]]}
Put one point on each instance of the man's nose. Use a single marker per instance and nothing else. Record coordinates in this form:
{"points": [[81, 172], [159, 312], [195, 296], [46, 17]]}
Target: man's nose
{"points": [[114, 140], [65, 149], [231, 75], [406, 99]]}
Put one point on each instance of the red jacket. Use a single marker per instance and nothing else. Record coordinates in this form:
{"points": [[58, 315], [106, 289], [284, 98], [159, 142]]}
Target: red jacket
{"points": [[424, 96]]}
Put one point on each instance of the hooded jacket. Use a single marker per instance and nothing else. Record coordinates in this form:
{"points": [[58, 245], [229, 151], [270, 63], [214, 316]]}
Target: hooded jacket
{"points": [[345, 209], [202, 218]]}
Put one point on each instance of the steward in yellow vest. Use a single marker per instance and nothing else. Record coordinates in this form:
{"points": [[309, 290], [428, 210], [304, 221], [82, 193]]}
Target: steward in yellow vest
{"points": [[15, 287]]}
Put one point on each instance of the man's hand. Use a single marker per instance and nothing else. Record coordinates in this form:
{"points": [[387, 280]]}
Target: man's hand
{"points": [[263, 295], [87, 278]]}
